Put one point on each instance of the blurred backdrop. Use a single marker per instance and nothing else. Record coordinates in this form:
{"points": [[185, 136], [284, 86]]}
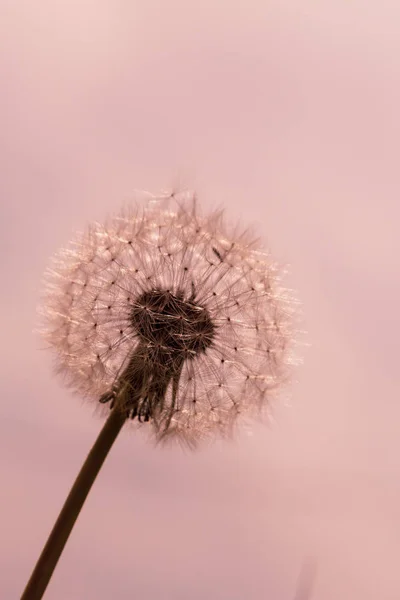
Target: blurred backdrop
{"points": [[286, 113]]}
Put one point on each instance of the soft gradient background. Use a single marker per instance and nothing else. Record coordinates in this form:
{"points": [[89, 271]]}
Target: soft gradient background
{"points": [[287, 113]]}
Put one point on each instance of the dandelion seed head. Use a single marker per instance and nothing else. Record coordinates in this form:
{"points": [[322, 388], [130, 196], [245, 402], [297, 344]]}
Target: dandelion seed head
{"points": [[173, 317]]}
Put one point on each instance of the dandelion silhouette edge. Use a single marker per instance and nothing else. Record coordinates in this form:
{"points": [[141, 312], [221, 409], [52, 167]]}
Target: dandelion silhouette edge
{"points": [[175, 317]]}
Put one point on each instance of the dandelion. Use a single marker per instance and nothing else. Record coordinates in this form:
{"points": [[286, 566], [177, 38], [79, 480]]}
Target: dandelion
{"points": [[164, 313], [166, 318]]}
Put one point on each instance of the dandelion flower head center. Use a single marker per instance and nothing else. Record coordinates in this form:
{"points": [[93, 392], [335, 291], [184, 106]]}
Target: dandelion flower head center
{"points": [[177, 328]]}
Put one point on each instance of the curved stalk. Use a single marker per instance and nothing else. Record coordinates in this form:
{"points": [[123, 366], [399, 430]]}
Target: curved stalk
{"points": [[57, 539]]}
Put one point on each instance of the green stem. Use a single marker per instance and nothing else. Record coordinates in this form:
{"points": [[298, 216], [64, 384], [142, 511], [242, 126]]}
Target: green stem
{"points": [[47, 562]]}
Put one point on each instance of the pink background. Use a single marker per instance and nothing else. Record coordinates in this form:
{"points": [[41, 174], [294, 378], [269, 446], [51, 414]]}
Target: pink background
{"points": [[287, 113]]}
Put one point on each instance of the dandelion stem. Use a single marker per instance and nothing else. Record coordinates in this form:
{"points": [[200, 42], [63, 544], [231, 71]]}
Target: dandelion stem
{"points": [[47, 562]]}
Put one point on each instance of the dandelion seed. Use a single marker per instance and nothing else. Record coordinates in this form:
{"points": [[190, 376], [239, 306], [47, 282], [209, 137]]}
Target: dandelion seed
{"points": [[160, 307]]}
